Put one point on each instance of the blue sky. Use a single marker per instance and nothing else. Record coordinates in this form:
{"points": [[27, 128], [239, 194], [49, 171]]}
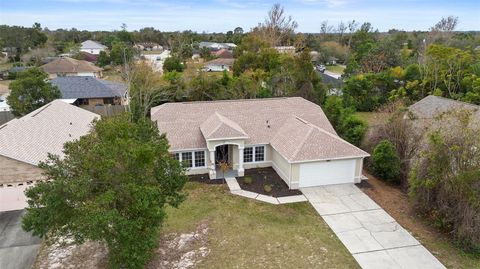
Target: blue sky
{"points": [[224, 15]]}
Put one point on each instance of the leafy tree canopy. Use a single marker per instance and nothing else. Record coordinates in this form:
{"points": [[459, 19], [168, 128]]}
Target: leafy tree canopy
{"points": [[30, 91]]}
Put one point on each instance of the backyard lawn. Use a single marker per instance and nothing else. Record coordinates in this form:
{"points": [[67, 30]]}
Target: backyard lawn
{"points": [[335, 69]]}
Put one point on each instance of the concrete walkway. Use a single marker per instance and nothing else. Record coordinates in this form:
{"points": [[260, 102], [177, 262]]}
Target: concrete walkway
{"points": [[18, 249], [373, 237]]}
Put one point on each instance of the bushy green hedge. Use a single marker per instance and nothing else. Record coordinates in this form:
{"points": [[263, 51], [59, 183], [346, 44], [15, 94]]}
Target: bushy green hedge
{"points": [[386, 163]]}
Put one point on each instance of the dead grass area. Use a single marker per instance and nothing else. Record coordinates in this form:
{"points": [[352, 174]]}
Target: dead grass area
{"points": [[4, 86], [397, 204], [373, 118]]}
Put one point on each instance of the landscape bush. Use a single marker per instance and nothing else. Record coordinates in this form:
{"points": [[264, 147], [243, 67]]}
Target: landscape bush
{"points": [[248, 180], [386, 163], [267, 188]]}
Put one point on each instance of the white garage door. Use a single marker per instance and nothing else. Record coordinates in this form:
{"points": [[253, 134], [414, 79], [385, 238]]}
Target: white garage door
{"points": [[326, 173], [12, 197]]}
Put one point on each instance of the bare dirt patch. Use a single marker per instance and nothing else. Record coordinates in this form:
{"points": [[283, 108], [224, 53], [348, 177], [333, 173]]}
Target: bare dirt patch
{"points": [[176, 251]]}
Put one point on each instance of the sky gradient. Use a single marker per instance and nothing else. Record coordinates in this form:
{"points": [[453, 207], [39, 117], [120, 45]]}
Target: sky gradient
{"points": [[224, 15]]}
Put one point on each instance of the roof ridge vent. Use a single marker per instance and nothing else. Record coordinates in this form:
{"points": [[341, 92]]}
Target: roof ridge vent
{"points": [[41, 109]]}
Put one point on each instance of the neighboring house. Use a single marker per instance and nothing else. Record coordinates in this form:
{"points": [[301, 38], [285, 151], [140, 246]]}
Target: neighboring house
{"points": [[92, 58], [219, 65], [148, 46], [223, 53], [90, 91], [431, 106], [292, 135], [217, 46], [65, 67], [157, 60], [26, 141], [92, 47], [285, 49]]}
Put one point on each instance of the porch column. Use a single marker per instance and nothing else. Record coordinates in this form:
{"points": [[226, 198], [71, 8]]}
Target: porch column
{"points": [[240, 162], [212, 173]]}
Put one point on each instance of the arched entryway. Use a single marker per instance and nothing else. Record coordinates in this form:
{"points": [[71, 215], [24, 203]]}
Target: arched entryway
{"points": [[228, 160]]}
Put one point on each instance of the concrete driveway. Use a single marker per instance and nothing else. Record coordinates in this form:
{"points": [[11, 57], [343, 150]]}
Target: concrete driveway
{"points": [[18, 249], [373, 237]]}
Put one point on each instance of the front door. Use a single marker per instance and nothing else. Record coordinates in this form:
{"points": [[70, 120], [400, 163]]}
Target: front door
{"points": [[221, 153]]}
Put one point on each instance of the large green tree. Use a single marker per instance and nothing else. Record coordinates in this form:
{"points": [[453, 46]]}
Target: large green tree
{"points": [[112, 186], [30, 91]]}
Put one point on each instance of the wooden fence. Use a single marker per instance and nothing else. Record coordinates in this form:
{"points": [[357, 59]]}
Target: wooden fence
{"points": [[107, 110]]}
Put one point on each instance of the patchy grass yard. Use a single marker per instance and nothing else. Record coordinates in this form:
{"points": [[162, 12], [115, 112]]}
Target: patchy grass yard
{"points": [[244, 233], [373, 118], [396, 203], [214, 229], [335, 69]]}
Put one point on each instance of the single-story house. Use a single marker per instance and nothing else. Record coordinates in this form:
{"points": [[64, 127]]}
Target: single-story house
{"points": [[157, 59], [432, 106], [148, 46], [66, 66], [223, 53], [90, 91], [216, 45], [92, 47], [292, 135], [26, 141], [219, 65]]}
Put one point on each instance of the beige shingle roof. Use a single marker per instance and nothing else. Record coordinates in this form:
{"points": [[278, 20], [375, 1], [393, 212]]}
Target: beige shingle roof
{"points": [[298, 140], [264, 121], [69, 65], [45, 130], [218, 126]]}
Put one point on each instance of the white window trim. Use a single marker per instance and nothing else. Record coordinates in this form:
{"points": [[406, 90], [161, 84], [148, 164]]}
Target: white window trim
{"points": [[180, 159], [254, 151]]}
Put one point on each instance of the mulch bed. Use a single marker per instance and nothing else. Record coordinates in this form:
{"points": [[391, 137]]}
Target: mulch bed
{"points": [[203, 178], [279, 188]]}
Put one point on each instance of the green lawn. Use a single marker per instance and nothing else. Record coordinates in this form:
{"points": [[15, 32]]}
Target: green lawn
{"points": [[373, 118], [245, 233], [335, 69]]}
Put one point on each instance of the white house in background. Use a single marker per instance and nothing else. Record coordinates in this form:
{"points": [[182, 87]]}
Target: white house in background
{"points": [[26, 141], [219, 65], [292, 135], [157, 59], [92, 47], [216, 45]]}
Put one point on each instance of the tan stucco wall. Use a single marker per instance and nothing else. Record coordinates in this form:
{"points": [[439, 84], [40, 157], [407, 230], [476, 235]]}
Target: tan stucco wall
{"points": [[212, 144], [15, 171], [280, 165]]}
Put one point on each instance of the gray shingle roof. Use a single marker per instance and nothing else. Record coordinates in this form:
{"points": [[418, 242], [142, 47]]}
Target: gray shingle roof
{"points": [[88, 87], [90, 44], [431, 106]]}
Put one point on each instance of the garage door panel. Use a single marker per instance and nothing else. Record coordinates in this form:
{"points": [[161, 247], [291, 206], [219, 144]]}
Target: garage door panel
{"points": [[326, 173], [13, 198]]}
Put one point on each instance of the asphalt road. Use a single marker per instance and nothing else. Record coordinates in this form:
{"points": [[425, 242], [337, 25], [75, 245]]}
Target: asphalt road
{"points": [[18, 249]]}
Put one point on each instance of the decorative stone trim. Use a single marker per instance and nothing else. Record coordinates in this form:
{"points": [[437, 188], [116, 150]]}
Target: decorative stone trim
{"points": [[236, 190]]}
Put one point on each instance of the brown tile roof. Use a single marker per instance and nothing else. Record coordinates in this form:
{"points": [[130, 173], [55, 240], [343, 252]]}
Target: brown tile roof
{"points": [[264, 121], [45, 130], [218, 126], [223, 53], [69, 65]]}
